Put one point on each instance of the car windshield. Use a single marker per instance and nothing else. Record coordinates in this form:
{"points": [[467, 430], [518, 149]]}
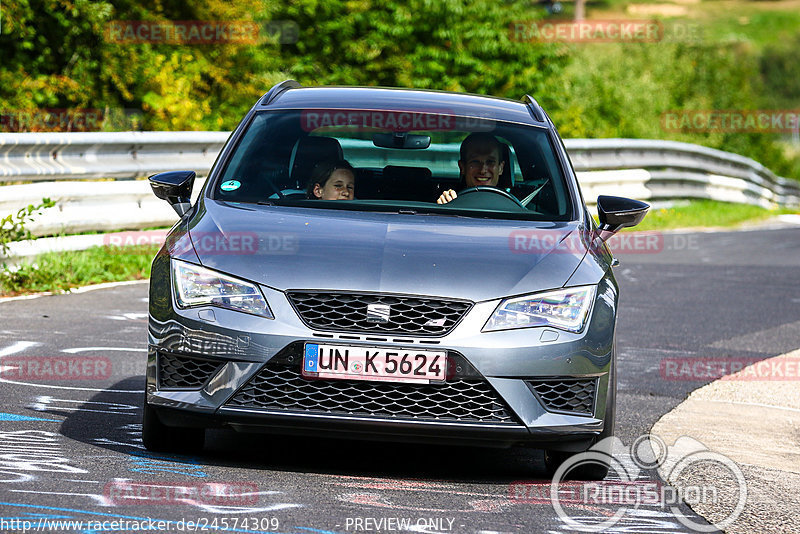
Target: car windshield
{"points": [[398, 162]]}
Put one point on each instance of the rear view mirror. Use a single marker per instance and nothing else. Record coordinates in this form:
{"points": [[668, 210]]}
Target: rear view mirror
{"points": [[401, 140], [176, 188], [616, 213]]}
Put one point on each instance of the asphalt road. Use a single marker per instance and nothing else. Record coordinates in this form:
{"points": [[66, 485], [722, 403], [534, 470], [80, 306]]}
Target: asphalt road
{"points": [[66, 446]]}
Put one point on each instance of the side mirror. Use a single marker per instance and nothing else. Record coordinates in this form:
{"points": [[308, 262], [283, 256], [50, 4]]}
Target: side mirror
{"points": [[176, 188], [616, 213]]}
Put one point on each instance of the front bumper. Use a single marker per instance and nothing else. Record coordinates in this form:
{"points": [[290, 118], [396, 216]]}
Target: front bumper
{"points": [[237, 347]]}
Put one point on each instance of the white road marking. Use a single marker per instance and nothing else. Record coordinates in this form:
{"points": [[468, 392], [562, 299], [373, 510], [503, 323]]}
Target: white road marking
{"points": [[242, 510], [102, 349], [128, 316], [16, 477], [100, 499], [19, 346], [22, 345], [103, 390], [83, 289], [44, 403]]}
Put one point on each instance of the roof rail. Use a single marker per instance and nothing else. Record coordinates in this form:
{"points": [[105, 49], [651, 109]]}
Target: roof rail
{"points": [[534, 107], [277, 89]]}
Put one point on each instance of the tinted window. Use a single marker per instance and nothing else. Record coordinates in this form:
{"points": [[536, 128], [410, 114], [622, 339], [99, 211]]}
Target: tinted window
{"points": [[400, 161]]}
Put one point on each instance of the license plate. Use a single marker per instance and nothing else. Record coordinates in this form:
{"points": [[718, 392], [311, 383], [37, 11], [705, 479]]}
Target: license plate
{"points": [[374, 363]]}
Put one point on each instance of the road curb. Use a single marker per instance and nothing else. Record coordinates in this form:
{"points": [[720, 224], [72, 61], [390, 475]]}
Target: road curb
{"points": [[756, 424]]}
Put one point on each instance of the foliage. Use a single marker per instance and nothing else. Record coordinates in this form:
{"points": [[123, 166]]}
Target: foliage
{"points": [[780, 68], [624, 90], [430, 44], [13, 226], [58, 54]]}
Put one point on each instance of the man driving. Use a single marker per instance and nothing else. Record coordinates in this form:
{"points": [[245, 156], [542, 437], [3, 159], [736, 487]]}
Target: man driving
{"points": [[481, 163]]}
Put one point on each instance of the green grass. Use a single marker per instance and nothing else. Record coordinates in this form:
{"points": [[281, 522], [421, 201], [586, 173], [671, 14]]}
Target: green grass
{"points": [[705, 213], [759, 27], [60, 271], [720, 21]]}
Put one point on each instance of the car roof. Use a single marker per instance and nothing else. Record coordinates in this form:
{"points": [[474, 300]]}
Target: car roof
{"points": [[290, 95]]}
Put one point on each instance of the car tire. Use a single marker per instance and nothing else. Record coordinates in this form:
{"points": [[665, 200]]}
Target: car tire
{"points": [[589, 471], [158, 437]]}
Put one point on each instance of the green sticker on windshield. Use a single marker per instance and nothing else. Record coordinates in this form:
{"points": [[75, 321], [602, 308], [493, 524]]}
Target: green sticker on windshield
{"points": [[230, 185]]}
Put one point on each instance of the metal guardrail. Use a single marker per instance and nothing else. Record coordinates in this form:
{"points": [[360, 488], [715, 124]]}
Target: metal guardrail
{"points": [[81, 155], [59, 165], [684, 170]]}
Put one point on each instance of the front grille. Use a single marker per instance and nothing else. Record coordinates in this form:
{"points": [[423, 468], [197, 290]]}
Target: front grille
{"points": [[566, 395], [347, 312], [182, 372], [283, 388]]}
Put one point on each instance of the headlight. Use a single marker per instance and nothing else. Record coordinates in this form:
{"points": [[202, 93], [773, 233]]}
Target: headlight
{"points": [[198, 286], [566, 309]]}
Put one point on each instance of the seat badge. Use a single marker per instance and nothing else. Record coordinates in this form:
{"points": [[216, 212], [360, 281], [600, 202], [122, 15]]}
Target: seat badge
{"points": [[378, 313]]}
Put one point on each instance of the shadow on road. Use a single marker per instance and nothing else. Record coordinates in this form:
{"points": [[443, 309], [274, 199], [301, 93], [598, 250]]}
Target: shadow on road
{"points": [[112, 420]]}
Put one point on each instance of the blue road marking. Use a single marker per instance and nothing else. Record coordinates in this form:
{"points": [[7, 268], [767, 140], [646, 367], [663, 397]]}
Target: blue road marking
{"points": [[15, 417], [147, 462]]}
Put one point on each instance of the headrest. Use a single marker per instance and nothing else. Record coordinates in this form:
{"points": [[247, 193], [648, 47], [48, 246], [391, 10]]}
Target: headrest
{"points": [[308, 152], [407, 183]]}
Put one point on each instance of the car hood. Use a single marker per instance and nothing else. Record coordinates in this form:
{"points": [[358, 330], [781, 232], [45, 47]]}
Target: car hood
{"points": [[457, 257]]}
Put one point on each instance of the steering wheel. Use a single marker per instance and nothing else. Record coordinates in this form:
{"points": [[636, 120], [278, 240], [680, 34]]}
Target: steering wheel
{"points": [[488, 189]]}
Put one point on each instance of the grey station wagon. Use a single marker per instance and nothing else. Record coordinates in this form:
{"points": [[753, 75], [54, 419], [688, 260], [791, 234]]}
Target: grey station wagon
{"points": [[389, 264]]}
